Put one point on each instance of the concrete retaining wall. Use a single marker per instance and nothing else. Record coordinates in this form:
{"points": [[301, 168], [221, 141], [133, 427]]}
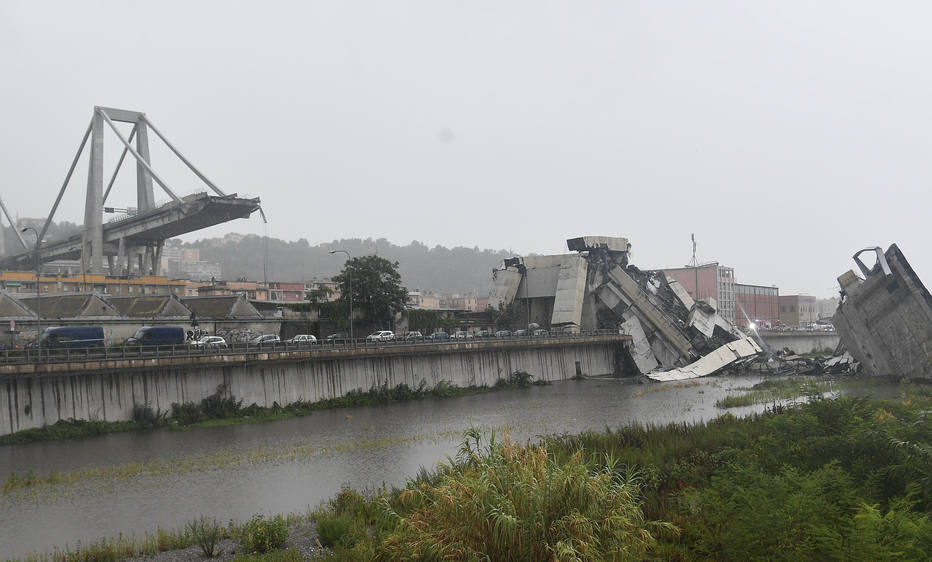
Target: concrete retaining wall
{"points": [[33, 400], [802, 342]]}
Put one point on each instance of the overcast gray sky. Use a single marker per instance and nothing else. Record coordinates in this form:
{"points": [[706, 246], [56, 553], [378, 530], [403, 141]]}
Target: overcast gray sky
{"points": [[786, 135]]}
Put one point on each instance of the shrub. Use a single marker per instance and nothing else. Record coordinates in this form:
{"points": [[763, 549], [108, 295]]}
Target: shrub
{"points": [[206, 534], [186, 413], [507, 502], [218, 406], [345, 520], [263, 535], [146, 417]]}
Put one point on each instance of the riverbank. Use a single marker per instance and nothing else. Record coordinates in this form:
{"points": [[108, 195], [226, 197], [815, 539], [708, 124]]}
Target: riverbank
{"points": [[221, 409], [845, 478], [833, 478]]}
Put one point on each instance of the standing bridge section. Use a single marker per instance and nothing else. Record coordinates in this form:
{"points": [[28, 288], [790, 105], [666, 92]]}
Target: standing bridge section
{"points": [[136, 241]]}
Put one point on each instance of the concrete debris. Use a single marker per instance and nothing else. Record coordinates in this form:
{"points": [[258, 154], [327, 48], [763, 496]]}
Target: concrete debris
{"points": [[597, 288], [884, 319], [716, 360], [640, 350]]}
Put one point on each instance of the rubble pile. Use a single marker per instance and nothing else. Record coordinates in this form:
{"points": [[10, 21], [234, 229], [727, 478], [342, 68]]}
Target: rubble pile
{"points": [[673, 337]]}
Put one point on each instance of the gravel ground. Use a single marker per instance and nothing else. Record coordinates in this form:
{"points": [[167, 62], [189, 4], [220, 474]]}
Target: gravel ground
{"points": [[302, 538]]}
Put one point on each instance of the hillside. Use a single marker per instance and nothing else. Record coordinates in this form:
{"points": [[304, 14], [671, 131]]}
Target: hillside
{"points": [[449, 270]]}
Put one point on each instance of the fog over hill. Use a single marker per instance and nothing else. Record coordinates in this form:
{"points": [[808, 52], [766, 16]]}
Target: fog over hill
{"points": [[448, 270]]}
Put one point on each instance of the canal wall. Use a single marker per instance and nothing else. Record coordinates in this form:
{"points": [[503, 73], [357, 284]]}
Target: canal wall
{"points": [[801, 342], [32, 396]]}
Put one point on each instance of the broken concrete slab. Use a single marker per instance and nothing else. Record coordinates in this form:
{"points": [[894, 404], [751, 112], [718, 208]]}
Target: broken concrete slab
{"points": [[681, 293], [640, 349], [712, 362], [885, 319], [570, 292]]}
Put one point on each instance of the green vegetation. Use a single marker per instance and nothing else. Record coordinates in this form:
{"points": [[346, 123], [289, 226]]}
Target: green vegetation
{"points": [[375, 286], [773, 390], [837, 479], [429, 321], [207, 534], [222, 409], [261, 535], [261, 538]]}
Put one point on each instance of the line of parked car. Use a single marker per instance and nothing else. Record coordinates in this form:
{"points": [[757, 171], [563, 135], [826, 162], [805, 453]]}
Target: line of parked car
{"points": [[62, 337]]}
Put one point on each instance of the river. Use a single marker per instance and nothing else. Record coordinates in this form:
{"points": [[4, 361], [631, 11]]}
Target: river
{"points": [[131, 483]]}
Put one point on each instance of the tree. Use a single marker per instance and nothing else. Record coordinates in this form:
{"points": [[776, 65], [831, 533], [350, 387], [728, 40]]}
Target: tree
{"points": [[376, 288]]}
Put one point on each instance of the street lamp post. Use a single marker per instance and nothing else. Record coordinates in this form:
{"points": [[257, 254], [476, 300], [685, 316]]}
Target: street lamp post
{"points": [[349, 279], [38, 295]]}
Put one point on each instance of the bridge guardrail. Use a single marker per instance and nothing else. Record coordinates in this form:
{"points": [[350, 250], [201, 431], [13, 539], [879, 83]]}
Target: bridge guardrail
{"points": [[67, 355]]}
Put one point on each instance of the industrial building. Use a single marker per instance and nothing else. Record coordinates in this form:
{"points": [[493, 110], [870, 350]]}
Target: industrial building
{"points": [[709, 280], [798, 311], [758, 304]]}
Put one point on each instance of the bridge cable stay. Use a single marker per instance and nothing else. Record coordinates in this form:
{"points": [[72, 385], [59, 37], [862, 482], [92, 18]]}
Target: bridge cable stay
{"points": [[61, 191], [119, 163], [12, 224], [197, 172], [139, 158]]}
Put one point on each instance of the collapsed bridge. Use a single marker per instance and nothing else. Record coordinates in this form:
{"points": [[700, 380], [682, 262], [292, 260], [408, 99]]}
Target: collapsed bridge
{"points": [[673, 336]]}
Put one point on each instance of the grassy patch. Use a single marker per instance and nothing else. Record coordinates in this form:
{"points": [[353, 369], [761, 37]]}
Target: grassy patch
{"points": [[774, 390]]}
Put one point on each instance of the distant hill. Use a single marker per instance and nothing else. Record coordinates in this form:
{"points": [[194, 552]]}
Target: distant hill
{"points": [[448, 270]]}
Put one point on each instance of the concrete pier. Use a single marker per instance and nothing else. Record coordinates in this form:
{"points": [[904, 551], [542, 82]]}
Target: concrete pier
{"points": [[35, 395]]}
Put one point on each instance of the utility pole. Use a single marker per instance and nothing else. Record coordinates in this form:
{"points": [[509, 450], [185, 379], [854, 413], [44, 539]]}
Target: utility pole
{"points": [[695, 265], [349, 278], [38, 296]]}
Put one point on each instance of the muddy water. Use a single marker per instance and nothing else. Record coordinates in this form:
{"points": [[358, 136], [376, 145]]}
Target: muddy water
{"points": [[131, 483]]}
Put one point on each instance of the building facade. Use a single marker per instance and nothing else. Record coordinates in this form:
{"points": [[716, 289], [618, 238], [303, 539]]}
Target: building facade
{"points": [[709, 280], [25, 283], [757, 303], [798, 311]]}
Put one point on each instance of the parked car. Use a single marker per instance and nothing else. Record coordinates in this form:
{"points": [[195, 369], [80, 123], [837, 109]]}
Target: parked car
{"points": [[502, 334], [414, 336], [207, 342], [441, 335], [157, 335], [61, 337], [265, 339], [521, 332], [484, 334], [540, 333], [337, 337], [303, 339], [380, 336], [461, 335]]}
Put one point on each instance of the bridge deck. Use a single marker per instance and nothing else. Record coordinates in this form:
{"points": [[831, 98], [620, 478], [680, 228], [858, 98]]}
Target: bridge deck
{"points": [[172, 219]]}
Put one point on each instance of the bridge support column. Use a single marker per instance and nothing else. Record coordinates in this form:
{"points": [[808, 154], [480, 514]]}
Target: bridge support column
{"points": [[93, 248], [157, 257], [145, 196]]}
